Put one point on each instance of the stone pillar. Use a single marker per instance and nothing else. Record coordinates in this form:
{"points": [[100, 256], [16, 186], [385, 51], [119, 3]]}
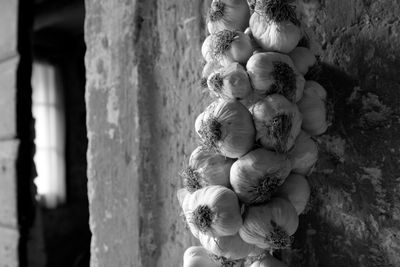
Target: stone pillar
{"points": [[9, 59]]}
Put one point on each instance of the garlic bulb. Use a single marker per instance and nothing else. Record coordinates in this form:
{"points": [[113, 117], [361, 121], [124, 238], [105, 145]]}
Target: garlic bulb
{"points": [[296, 190], [198, 257], [268, 261], [228, 127], [256, 176], [304, 154], [230, 82], [277, 122], [316, 89], [275, 26], [313, 110], [206, 167], [231, 247], [272, 73], [303, 59], [209, 68], [270, 225], [228, 15], [214, 211], [227, 46]]}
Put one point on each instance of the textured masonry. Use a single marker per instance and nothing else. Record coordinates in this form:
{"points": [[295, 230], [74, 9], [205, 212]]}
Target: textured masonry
{"points": [[143, 67]]}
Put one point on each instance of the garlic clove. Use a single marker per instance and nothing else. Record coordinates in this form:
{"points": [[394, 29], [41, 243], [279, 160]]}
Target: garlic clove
{"points": [[297, 190], [304, 154], [303, 59]]}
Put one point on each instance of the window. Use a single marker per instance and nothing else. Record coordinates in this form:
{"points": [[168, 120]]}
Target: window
{"points": [[48, 112]]}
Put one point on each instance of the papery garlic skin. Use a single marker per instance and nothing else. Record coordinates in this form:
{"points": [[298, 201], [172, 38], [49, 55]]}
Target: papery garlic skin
{"points": [[223, 205], [297, 190], [235, 15], [262, 70], [265, 114], [209, 167], [313, 110], [236, 132], [230, 82], [197, 257], [304, 154], [256, 176], [226, 47], [261, 223], [268, 261], [303, 59], [230, 247], [274, 36]]}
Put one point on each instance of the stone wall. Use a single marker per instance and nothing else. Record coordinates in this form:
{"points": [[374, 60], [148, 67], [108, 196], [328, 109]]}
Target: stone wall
{"points": [[143, 66], [9, 144]]}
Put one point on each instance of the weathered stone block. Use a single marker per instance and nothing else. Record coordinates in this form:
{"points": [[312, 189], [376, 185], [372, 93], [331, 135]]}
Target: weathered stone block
{"points": [[8, 28], [8, 74], [8, 191], [8, 247]]}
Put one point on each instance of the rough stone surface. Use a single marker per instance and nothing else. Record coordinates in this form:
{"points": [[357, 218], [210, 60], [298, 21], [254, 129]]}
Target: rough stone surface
{"points": [[8, 247], [8, 77], [8, 195], [354, 212], [8, 28], [143, 68]]}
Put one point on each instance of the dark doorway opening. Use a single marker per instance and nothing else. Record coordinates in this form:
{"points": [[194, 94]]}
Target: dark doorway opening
{"points": [[58, 81]]}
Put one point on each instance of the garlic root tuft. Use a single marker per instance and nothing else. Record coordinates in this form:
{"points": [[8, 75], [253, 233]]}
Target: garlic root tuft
{"points": [[216, 81], [203, 217], [224, 262], [266, 188], [285, 80], [223, 41], [278, 238], [191, 179], [210, 130], [216, 11], [278, 10]]}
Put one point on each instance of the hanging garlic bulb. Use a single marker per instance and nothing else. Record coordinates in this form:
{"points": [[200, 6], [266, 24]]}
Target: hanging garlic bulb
{"points": [[231, 247], [208, 68], [303, 59], [304, 154], [272, 73], [214, 211], [313, 110], [227, 46], [277, 122], [316, 89], [228, 127], [268, 261], [230, 82], [228, 15], [275, 26], [270, 225], [256, 176], [296, 190], [206, 167], [198, 257]]}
